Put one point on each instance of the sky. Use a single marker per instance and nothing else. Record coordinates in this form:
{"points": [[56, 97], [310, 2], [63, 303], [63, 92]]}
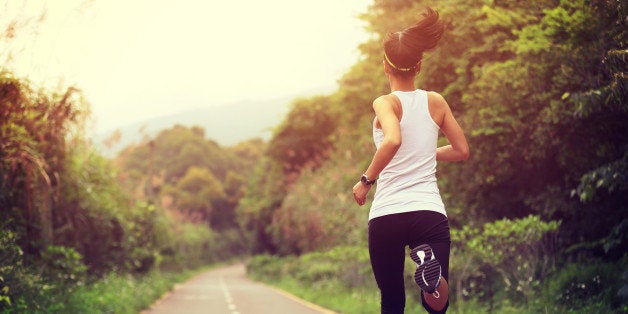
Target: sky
{"points": [[139, 59]]}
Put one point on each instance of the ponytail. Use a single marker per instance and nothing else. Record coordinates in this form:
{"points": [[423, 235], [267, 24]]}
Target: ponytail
{"points": [[404, 50]]}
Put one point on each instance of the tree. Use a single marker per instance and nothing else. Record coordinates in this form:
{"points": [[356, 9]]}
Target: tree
{"points": [[303, 138], [198, 194], [34, 130]]}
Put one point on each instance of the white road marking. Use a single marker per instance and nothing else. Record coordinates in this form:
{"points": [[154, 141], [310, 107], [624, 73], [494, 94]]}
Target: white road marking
{"points": [[228, 298]]}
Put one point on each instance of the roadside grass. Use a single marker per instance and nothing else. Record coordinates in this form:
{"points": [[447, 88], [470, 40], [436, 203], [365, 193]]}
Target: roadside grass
{"points": [[125, 293], [332, 293], [332, 296], [341, 280]]}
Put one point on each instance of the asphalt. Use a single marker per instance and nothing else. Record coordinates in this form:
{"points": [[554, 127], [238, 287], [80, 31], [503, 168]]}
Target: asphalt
{"points": [[227, 290]]}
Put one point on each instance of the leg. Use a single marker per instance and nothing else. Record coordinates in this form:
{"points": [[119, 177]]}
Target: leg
{"points": [[433, 229], [387, 253], [439, 302]]}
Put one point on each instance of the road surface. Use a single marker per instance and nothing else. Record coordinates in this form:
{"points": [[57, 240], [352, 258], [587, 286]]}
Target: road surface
{"points": [[228, 291]]}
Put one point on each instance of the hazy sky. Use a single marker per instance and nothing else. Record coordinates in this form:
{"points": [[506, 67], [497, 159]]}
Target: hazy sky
{"points": [[137, 59]]}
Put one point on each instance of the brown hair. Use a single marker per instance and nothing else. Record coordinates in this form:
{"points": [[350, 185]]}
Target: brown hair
{"points": [[403, 50]]}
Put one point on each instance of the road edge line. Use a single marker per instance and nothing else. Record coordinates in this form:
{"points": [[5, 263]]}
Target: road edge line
{"points": [[299, 300]]}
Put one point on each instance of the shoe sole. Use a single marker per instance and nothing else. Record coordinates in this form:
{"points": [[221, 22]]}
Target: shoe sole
{"points": [[438, 300], [428, 272]]}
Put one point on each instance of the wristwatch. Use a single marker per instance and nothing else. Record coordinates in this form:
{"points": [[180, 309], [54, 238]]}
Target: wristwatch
{"points": [[365, 180]]}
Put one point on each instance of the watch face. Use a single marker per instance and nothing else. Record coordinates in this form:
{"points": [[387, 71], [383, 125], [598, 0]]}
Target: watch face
{"points": [[366, 181]]}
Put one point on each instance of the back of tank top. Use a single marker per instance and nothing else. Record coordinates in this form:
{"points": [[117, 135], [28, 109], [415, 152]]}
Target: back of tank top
{"points": [[408, 182]]}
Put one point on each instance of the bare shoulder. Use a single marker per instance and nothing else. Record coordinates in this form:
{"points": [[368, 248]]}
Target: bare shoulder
{"points": [[436, 99], [438, 106], [388, 103], [383, 100]]}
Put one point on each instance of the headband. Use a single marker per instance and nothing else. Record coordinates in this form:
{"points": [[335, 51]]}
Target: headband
{"points": [[396, 67]]}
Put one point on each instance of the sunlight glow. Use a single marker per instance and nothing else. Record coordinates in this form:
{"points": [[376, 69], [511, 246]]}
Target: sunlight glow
{"points": [[140, 59]]}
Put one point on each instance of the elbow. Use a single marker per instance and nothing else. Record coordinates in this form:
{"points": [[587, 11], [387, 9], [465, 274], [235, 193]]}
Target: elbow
{"points": [[391, 145], [394, 143], [464, 154]]}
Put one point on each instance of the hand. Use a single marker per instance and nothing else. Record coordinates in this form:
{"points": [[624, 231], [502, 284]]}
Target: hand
{"points": [[360, 191]]}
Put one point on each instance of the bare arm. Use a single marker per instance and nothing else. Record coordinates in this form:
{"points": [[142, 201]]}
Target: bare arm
{"points": [[389, 121], [458, 149]]}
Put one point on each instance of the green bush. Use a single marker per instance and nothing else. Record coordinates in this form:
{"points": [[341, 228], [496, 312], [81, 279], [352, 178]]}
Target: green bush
{"points": [[348, 264], [64, 266], [189, 247], [519, 250], [582, 285], [339, 278], [62, 272], [10, 266], [43, 286], [268, 268]]}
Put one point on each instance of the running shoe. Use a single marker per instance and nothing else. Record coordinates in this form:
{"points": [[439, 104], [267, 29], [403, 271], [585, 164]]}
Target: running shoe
{"points": [[428, 272]]}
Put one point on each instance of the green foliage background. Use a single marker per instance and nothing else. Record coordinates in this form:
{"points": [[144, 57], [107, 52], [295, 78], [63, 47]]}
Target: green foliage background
{"points": [[538, 213], [540, 88]]}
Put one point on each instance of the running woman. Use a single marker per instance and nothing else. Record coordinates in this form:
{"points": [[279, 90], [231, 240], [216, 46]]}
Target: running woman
{"points": [[407, 209]]}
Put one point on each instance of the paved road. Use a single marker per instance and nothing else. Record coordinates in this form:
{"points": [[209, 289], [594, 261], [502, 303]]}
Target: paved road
{"points": [[228, 291]]}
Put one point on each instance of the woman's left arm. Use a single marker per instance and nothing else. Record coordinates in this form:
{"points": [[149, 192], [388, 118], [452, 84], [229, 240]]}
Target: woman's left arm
{"points": [[458, 149], [389, 121]]}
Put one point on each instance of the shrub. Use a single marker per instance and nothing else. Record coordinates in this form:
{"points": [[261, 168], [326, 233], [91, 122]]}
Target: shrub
{"points": [[10, 266], [582, 285], [44, 286], [519, 250]]}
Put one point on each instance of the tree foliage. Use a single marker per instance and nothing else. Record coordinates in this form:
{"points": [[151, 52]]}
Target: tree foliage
{"points": [[184, 171], [60, 207], [540, 89]]}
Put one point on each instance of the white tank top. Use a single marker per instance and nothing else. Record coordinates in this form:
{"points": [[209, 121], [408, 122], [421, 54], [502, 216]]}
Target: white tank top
{"points": [[408, 182]]}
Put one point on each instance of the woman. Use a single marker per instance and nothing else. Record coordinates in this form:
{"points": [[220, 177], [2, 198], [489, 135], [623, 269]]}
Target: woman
{"points": [[407, 208]]}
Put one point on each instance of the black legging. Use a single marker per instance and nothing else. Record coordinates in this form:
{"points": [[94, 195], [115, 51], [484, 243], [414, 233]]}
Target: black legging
{"points": [[388, 237]]}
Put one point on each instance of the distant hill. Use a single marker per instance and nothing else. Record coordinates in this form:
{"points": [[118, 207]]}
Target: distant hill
{"points": [[225, 124]]}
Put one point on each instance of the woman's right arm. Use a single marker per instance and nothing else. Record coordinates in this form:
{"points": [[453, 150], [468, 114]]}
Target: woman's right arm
{"points": [[458, 148]]}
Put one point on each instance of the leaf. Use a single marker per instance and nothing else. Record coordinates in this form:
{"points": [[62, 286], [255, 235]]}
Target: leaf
{"points": [[565, 96]]}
